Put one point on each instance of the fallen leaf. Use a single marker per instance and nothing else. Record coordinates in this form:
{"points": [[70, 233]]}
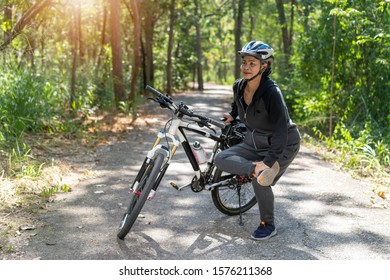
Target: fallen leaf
{"points": [[382, 195], [27, 227]]}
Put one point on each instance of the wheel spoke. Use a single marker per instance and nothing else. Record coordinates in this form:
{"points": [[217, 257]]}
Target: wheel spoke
{"points": [[226, 198]]}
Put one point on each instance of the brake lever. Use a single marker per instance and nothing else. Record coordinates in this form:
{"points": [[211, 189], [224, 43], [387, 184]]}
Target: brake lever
{"points": [[183, 108], [212, 129], [203, 123], [159, 101]]}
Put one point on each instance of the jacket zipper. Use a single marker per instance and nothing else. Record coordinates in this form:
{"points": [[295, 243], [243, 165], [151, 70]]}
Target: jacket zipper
{"points": [[253, 131], [242, 105]]}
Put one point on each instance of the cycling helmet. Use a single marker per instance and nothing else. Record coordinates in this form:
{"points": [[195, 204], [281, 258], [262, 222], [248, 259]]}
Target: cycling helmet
{"points": [[257, 49]]}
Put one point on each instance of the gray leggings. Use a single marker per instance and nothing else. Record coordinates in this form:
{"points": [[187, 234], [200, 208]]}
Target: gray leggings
{"points": [[239, 160]]}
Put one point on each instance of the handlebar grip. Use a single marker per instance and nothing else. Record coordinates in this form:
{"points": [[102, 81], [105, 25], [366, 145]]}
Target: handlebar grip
{"points": [[154, 91], [158, 94], [219, 124]]}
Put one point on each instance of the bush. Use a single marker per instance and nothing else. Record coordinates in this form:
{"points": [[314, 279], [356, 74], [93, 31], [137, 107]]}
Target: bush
{"points": [[25, 104]]}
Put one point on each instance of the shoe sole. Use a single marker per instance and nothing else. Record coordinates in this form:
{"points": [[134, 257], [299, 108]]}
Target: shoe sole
{"points": [[264, 238], [268, 175]]}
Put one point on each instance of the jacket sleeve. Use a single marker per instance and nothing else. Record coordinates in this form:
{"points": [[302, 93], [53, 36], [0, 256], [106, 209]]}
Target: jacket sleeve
{"points": [[277, 111], [234, 110]]}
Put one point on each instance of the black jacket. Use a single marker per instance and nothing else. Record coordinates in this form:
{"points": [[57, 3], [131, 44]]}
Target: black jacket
{"points": [[270, 128]]}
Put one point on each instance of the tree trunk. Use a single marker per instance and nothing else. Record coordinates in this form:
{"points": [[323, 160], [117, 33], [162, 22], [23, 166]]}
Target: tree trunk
{"points": [[73, 40], [293, 4], [8, 23], [30, 50], [42, 45], [79, 33], [147, 47], [170, 48], [238, 18], [199, 52], [136, 51], [119, 92], [332, 74], [7, 20], [102, 39], [286, 37]]}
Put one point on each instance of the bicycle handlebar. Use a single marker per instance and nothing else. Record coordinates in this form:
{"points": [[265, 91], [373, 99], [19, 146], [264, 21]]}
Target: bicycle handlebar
{"points": [[216, 123], [168, 102], [159, 94]]}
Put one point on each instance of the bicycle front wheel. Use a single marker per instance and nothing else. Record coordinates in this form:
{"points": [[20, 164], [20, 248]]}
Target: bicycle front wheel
{"points": [[235, 198], [138, 199]]}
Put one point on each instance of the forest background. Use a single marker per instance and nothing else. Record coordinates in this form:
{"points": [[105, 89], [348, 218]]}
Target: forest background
{"points": [[64, 63]]}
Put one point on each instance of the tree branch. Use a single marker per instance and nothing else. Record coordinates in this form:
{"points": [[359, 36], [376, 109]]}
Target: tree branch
{"points": [[27, 17]]}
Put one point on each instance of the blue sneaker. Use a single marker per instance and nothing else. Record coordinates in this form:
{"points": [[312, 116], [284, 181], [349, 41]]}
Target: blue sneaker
{"points": [[264, 231]]}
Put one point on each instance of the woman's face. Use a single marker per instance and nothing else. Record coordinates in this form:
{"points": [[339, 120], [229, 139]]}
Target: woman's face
{"points": [[250, 66]]}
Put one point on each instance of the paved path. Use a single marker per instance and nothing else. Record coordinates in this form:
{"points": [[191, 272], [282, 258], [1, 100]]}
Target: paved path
{"points": [[321, 212]]}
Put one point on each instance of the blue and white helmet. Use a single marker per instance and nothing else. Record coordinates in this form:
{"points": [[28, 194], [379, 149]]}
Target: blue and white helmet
{"points": [[257, 49]]}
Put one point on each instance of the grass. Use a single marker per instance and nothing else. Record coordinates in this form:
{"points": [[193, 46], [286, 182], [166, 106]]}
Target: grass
{"points": [[359, 160]]}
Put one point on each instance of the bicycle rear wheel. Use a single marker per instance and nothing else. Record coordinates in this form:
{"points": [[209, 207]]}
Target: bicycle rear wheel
{"points": [[146, 183], [235, 198]]}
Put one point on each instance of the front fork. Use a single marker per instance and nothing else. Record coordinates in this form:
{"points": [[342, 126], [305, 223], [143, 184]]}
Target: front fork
{"points": [[157, 145], [157, 148]]}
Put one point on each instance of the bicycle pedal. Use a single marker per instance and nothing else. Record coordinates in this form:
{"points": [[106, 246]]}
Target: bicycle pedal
{"points": [[174, 185]]}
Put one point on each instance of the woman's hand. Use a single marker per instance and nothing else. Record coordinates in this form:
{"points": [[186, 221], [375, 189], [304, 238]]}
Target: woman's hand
{"points": [[260, 166], [228, 118]]}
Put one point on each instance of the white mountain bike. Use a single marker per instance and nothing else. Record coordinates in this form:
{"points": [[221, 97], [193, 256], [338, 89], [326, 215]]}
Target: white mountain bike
{"points": [[231, 194]]}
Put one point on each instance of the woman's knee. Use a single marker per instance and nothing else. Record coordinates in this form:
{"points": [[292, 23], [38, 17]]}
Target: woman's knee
{"points": [[218, 160]]}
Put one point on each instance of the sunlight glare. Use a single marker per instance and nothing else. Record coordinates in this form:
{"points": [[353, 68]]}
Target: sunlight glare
{"points": [[83, 4]]}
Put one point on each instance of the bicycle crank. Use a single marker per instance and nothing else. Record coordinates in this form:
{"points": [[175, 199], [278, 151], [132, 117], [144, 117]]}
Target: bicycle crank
{"points": [[219, 184], [197, 185]]}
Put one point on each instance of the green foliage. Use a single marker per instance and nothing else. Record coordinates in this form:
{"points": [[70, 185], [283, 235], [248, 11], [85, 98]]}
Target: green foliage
{"points": [[26, 103], [130, 107], [50, 191], [21, 163], [35, 72], [362, 156], [360, 101]]}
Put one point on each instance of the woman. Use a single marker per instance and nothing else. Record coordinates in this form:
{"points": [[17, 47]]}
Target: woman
{"points": [[272, 139]]}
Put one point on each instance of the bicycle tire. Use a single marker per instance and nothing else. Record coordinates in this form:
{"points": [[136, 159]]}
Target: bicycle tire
{"points": [[225, 198], [137, 202]]}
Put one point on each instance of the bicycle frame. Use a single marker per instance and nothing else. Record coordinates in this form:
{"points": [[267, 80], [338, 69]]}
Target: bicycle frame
{"points": [[177, 136]]}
